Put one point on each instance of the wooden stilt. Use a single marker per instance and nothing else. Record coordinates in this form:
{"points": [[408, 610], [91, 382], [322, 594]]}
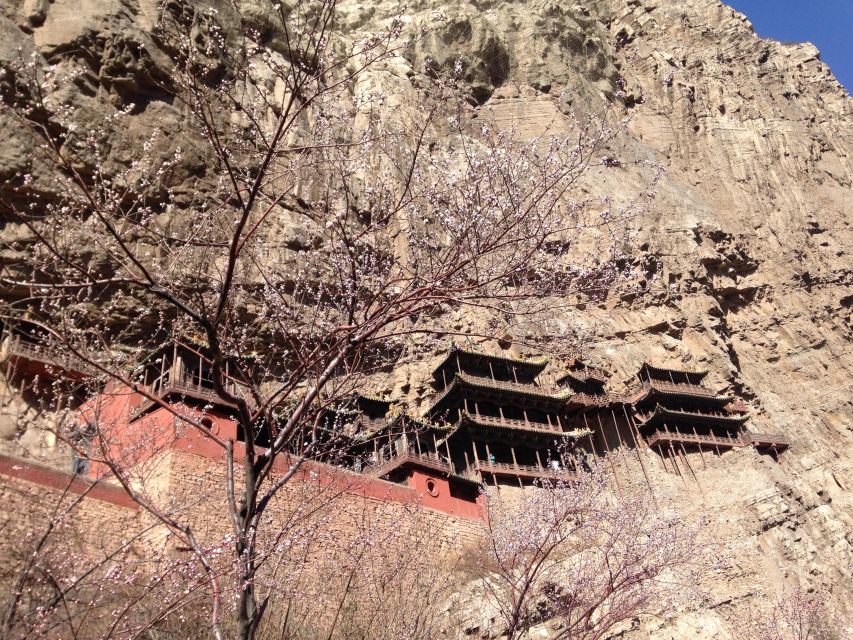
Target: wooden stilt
{"points": [[616, 427], [690, 468], [607, 455], [637, 451], [603, 435], [662, 455], [591, 441], [699, 444], [675, 464]]}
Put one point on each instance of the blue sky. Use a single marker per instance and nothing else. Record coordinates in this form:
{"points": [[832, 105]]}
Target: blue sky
{"points": [[828, 24]]}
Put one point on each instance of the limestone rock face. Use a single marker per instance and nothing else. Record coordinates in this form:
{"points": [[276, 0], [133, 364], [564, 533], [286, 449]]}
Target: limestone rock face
{"points": [[747, 247]]}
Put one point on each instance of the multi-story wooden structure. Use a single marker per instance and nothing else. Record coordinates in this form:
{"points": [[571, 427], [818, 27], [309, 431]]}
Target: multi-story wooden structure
{"points": [[676, 412], [504, 425]]}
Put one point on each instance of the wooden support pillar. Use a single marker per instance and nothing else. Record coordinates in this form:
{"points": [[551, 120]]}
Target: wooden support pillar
{"points": [[636, 450], [591, 441], [491, 370], [514, 376], [512, 451], [699, 444], [488, 454], [603, 435], [662, 455], [618, 437], [636, 430], [675, 464], [162, 371], [538, 459], [693, 473], [444, 378], [607, 455]]}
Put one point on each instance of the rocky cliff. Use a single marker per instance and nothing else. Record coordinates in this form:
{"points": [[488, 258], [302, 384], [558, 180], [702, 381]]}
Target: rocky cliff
{"points": [[746, 249]]}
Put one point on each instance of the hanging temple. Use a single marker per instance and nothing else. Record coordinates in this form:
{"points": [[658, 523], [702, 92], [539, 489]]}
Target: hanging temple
{"points": [[491, 422]]}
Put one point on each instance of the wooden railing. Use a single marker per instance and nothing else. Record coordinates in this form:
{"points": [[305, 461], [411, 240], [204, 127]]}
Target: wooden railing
{"points": [[678, 387], [678, 436], [502, 385], [511, 422], [21, 348], [370, 424], [588, 399], [183, 386], [741, 440], [507, 468], [390, 462], [767, 439]]}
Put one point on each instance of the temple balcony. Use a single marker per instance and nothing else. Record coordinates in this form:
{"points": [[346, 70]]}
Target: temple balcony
{"points": [[508, 469], [424, 460], [589, 400], [510, 423], [178, 382], [663, 437], [679, 387], [766, 441], [18, 348], [545, 397]]}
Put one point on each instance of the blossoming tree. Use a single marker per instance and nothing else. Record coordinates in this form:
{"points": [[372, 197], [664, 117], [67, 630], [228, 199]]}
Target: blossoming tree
{"points": [[321, 231]]}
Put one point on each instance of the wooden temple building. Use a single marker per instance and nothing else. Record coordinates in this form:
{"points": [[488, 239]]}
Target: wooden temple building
{"points": [[493, 422], [675, 411], [503, 424]]}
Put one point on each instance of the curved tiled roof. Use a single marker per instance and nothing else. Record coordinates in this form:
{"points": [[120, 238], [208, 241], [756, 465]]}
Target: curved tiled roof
{"points": [[662, 413], [461, 380], [534, 366], [653, 391], [663, 371]]}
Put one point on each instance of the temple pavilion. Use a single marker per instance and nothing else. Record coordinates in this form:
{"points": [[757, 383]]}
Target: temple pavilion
{"points": [[676, 412], [503, 425]]}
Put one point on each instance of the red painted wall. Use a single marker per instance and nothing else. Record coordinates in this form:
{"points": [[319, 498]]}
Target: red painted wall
{"points": [[130, 444]]}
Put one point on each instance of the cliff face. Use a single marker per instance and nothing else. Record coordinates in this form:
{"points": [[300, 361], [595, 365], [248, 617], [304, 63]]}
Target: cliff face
{"points": [[747, 244]]}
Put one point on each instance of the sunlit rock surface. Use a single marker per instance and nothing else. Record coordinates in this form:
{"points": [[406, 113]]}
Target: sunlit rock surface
{"points": [[747, 245]]}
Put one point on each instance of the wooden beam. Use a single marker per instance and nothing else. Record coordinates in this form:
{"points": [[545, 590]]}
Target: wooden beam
{"points": [[699, 444]]}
